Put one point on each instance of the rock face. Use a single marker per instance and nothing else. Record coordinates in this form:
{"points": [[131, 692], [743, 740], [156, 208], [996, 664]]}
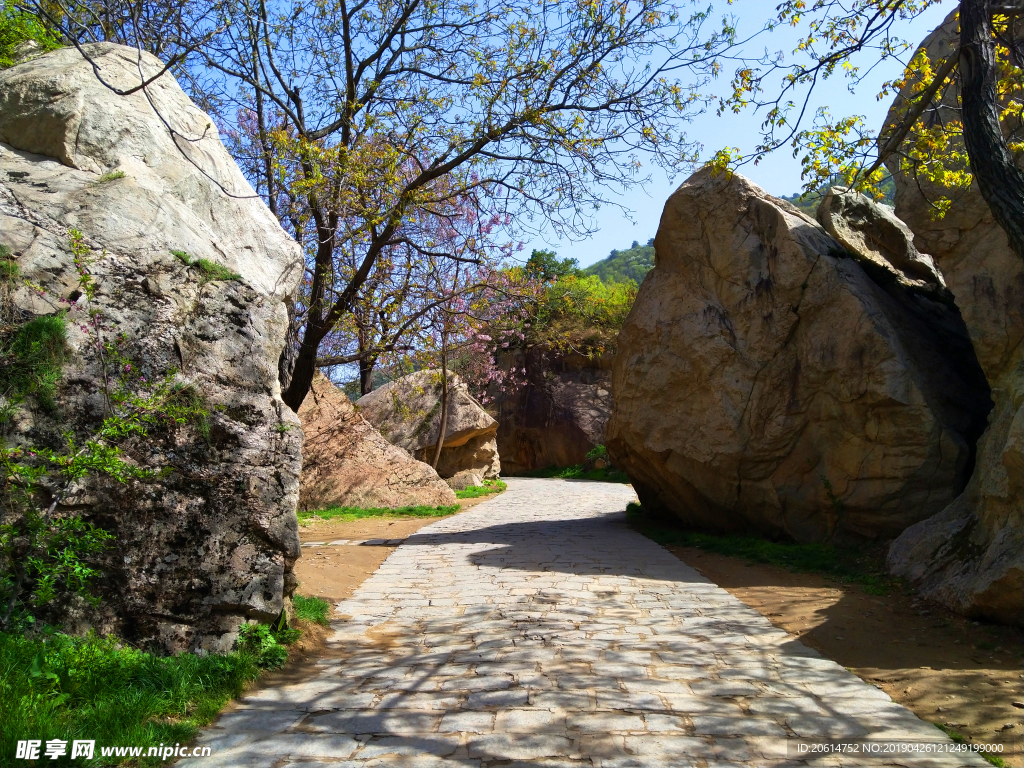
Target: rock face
{"points": [[970, 556], [212, 543], [882, 243], [558, 415], [764, 381], [346, 462], [408, 414]]}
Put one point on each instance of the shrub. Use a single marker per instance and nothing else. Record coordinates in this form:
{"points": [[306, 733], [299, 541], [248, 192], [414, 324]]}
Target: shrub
{"points": [[263, 645], [582, 312], [580, 472]]}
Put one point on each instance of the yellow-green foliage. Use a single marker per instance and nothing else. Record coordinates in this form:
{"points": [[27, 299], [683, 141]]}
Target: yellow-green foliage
{"points": [[582, 312], [17, 27], [111, 176], [208, 270], [632, 263]]}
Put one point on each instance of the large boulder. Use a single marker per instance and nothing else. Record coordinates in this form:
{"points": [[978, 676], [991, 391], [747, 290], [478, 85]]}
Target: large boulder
{"points": [[558, 414], [970, 556], [765, 382], [408, 414], [210, 544], [346, 462]]}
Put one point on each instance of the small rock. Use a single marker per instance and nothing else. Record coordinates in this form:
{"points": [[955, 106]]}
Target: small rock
{"points": [[465, 479]]}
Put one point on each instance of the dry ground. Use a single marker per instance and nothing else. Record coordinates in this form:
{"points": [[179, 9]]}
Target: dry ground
{"points": [[944, 668]]}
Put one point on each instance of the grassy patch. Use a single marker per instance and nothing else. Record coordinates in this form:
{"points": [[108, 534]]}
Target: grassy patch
{"points": [[846, 564], [110, 176], [208, 270], [313, 609], [60, 687], [32, 362], [475, 491], [348, 514], [579, 472], [9, 269], [961, 739]]}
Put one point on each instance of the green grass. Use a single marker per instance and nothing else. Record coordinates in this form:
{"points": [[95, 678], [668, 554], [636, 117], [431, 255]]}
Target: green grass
{"points": [[846, 564], [475, 491], [60, 687], [348, 514], [961, 739], [33, 360], [578, 472], [9, 269], [110, 176], [312, 609], [209, 270]]}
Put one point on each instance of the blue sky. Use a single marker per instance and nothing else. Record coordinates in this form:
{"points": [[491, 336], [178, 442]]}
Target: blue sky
{"points": [[778, 174]]}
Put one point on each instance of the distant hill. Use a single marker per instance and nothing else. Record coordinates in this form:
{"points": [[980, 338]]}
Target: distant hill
{"points": [[808, 201], [630, 264]]}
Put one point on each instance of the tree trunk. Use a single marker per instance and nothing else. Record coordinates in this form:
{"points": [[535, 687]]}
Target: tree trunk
{"points": [[302, 373], [286, 363], [444, 401], [366, 375], [999, 180]]}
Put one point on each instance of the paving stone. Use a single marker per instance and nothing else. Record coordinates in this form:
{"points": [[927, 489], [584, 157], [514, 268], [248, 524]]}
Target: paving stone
{"points": [[507, 746], [529, 721], [257, 719], [604, 722], [716, 725], [439, 744], [493, 699], [467, 722], [538, 630], [358, 721]]}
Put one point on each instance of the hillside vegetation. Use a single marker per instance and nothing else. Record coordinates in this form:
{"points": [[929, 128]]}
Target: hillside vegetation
{"points": [[630, 264]]}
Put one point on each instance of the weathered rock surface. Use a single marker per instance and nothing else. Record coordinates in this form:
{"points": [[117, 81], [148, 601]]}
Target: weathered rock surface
{"points": [[212, 544], [765, 382], [970, 556], [408, 414], [558, 414], [882, 244], [467, 478], [346, 462]]}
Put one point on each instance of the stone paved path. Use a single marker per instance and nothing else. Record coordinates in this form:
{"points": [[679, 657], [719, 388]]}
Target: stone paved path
{"points": [[537, 629]]}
